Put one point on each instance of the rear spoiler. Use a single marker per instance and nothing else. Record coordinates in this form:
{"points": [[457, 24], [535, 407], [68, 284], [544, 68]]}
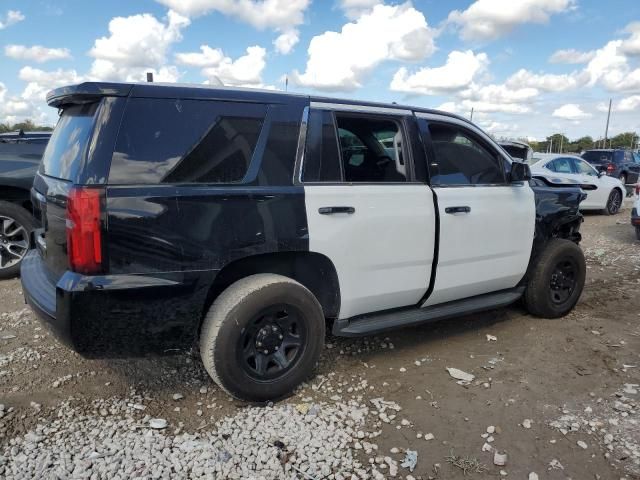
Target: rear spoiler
{"points": [[87, 92]]}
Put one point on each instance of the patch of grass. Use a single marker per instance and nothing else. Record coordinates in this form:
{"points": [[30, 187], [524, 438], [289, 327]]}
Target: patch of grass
{"points": [[466, 464]]}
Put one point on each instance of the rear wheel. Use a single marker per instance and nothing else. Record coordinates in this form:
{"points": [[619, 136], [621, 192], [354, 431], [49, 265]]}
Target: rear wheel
{"points": [[557, 280], [15, 227], [262, 337], [614, 202]]}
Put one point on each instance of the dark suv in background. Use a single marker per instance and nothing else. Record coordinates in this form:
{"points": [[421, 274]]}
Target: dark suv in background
{"points": [[20, 154], [622, 164]]}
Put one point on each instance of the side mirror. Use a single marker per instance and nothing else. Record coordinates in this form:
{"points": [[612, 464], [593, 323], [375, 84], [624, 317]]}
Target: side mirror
{"points": [[520, 172]]}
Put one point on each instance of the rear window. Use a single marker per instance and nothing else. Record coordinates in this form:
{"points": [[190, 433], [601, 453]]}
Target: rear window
{"points": [[65, 151], [185, 141], [597, 157]]}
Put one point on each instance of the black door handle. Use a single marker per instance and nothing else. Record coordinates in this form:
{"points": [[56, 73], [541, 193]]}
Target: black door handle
{"points": [[332, 210], [457, 209]]}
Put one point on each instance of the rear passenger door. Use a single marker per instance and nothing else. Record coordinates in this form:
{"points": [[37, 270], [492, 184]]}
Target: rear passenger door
{"points": [[486, 222], [366, 210]]}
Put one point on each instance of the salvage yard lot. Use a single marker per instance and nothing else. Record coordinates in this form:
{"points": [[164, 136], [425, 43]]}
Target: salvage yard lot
{"points": [[559, 397]]}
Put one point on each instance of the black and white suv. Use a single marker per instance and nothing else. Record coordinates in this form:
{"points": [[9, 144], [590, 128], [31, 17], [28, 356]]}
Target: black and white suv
{"points": [[247, 221]]}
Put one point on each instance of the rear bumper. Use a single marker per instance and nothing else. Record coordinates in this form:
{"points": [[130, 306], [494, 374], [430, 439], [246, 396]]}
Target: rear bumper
{"points": [[635, 217], [113, 315]]}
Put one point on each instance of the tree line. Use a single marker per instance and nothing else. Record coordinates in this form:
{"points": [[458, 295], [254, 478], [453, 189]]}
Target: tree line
{"points": [[27, 126], [559, 143]]}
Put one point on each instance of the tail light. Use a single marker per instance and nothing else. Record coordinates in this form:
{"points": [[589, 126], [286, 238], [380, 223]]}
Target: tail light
{"points": [[611, 168], [637, 188], [84, 232]]}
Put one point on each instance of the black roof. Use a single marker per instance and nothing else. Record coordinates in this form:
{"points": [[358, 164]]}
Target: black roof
{"points": [[90, 91]]}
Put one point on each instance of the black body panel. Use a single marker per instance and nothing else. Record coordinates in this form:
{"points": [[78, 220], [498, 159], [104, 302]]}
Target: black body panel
{"points": [[407, 317], [18, 165], [557, 213]]}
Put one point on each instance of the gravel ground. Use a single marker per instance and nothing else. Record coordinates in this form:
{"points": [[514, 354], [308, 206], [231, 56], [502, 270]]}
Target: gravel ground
{"points": [[549, 399]]}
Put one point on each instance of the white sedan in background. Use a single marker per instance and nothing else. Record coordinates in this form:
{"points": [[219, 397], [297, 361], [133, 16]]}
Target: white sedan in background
{"points": [[603, 192]]}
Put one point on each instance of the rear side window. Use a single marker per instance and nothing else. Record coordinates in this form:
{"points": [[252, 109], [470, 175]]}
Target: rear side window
{"points": [[66, 149], [185, 141], [561, 165], [462, 158], [597, 157], [321, 156]]}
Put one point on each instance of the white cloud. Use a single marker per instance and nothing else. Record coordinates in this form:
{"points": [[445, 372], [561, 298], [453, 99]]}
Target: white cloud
{"points": [[356, 8], [342, 60], [39, 82], [276, 14], [11, 18], [547, 82], [495, 127], [571, 56], [499, 94], [286, 41], [610, 68], [570, 111], [137, 44], [629, 104], [36, 53], [243, 71], [457, 73], [207, 57], [631, 46], [490, 19]]}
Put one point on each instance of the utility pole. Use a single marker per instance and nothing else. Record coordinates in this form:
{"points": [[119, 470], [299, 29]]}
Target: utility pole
{"points": [[561, 142], [606, 130], [471, 117], [550, 146]]}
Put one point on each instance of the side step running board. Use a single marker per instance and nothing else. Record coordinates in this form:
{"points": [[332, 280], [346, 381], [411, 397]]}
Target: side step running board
{"points": [[391, 319]]}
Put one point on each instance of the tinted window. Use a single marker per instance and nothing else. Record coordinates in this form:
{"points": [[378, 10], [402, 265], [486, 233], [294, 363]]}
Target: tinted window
{"points": [[596, 157], [321, 156], [618, 156], [185, 141], [636, 157], [562, 165], [65, 151], [584, 168], [462, 158], [371, 149]]}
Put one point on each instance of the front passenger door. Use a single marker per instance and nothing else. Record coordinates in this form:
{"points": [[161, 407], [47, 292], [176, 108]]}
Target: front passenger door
{"points": [[486, 222]]}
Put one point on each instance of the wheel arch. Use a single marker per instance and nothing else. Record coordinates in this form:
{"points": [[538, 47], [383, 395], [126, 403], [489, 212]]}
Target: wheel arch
{"points": [[16, 195], [313, 270]]}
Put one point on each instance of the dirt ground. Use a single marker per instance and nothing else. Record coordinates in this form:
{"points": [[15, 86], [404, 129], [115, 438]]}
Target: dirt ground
{"points": [[569, 380]]}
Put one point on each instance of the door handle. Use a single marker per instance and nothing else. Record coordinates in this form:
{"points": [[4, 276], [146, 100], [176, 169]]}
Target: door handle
{"points": [[332, 210], [453, 210]]}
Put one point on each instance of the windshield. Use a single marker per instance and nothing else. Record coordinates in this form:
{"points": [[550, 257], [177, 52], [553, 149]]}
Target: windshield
{"points": [[65, 151]]}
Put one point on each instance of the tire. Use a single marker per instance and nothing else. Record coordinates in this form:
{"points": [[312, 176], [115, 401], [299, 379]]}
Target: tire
{"points": [[614, 202], [548, 294], [255, 312], [638, 233], [16, 225]]}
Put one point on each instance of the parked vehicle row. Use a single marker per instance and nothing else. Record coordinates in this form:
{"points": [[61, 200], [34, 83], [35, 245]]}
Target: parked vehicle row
{"points": [[602, 192], [621, 164], [249, 221], [20, 155], [635, 211]]}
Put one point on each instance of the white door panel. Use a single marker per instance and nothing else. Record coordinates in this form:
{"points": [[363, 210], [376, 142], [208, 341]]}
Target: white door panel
{"points": [[486, 249], [383, 252]]}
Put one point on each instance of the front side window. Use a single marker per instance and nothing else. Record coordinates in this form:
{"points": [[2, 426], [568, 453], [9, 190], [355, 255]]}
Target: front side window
{"points": [[185, 141], [461, 158], [371, 149]]}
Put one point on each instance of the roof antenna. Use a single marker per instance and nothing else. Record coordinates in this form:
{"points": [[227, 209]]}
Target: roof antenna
{"points": [[215, 80], [150, 77]]}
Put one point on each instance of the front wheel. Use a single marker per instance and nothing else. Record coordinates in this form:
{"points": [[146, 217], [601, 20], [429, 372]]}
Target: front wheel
{"points": [[262, 337], [614, 202], [557, 279], [15, 227]]}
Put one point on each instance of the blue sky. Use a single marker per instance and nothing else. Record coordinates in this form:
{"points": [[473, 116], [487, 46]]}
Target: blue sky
{"points": [[529, 68]]}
